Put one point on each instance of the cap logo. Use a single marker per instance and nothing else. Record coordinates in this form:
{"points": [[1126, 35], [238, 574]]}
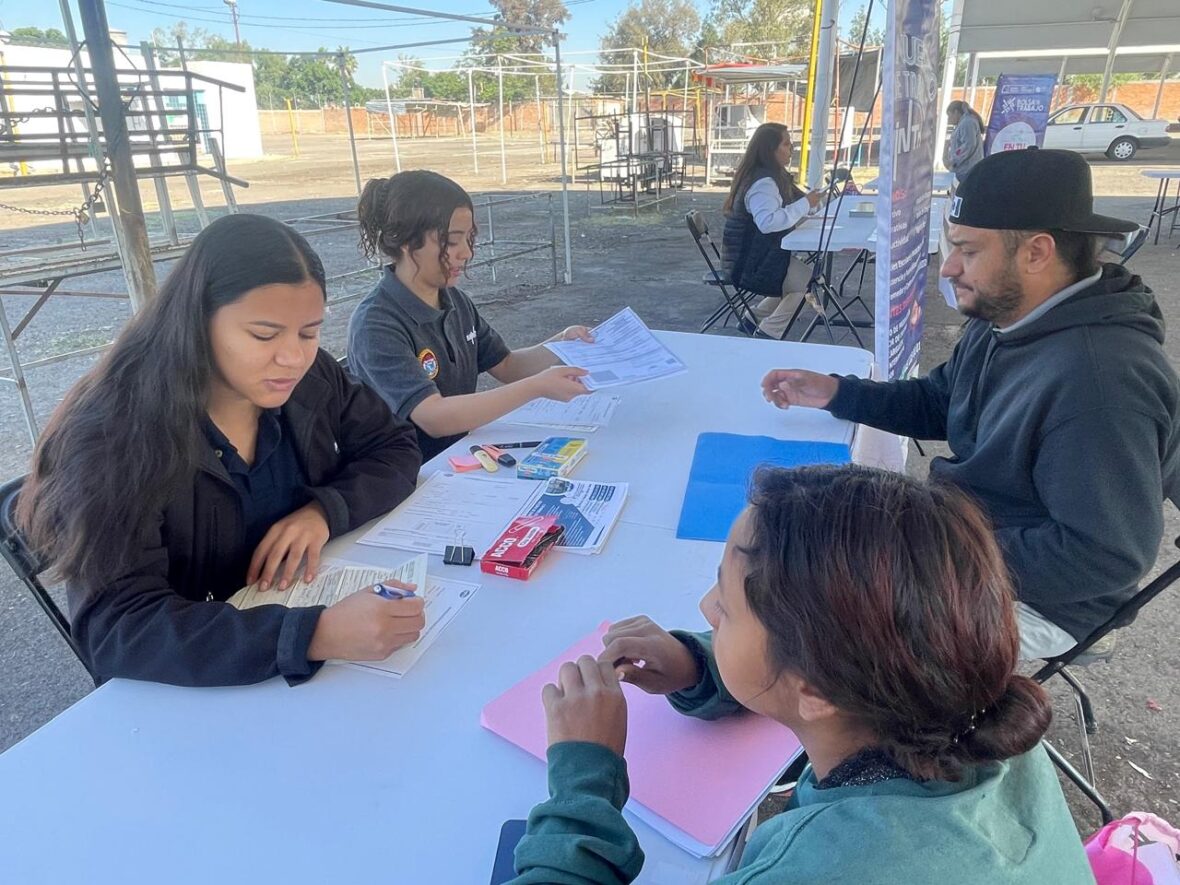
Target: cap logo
{"points": [[956, 206]]}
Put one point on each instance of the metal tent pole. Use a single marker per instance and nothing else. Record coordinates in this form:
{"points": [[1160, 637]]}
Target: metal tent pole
{"points": [[565, 194], [500, 99], [1159, 93], [356, 163], [397, 157], [137, 253], [948, 75], [471, 105], [540, 117]]}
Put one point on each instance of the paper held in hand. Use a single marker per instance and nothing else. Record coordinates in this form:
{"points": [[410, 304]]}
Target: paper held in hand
{"points": [[583, 414], [443, 600], [624, 352], [333, 583]]}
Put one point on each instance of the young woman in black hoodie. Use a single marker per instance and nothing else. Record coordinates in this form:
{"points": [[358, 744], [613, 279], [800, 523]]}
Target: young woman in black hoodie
{"points": [[216, 445]]}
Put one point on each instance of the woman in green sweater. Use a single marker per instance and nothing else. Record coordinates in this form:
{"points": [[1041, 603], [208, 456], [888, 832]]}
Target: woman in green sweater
{"points": [[872, 614]]}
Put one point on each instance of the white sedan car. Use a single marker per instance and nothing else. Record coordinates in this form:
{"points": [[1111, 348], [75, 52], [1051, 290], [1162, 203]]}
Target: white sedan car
{"points": [[1111, 129]]}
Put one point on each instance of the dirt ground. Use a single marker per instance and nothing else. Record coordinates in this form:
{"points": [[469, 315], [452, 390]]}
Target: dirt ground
{"points": [[648, 262]]}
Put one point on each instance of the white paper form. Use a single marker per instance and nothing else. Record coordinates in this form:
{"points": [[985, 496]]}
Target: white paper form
{"points": [[335, 581], [624, 352], [452, 508], [443, 600], [586, 510], [583, 413]]}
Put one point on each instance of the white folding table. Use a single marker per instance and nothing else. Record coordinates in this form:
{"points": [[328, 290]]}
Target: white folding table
{"points": [[354, 777]]}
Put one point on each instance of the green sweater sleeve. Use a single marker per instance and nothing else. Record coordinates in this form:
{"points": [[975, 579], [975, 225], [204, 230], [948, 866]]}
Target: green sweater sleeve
{"points": [[708, 699], [579, 836]]}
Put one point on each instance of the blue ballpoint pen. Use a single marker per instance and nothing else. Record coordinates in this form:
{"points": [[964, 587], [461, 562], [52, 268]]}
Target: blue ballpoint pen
{"points": [[388, 592]]}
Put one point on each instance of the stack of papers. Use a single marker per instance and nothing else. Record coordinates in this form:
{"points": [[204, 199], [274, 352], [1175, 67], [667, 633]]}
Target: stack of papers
{"points": [[583, 414], [471, 510], [695, 782], [443, 599], [461, 509], [335, 581], [624, 352], [586, 510]]}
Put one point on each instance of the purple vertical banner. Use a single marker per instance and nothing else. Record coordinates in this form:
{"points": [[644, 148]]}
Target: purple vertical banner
{"points": [[1020, 112], [911, 114]]}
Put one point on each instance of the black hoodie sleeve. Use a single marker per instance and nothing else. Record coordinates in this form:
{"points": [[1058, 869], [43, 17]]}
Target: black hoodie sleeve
{"points": [[138, 627], [916, 408]]}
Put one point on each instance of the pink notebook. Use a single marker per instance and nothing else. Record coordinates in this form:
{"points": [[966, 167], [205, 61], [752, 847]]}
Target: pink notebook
{"points": [[701, 777]]}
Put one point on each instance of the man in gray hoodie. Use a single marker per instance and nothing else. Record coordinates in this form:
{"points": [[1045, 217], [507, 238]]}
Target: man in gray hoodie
{"points": [[1059, 403]]}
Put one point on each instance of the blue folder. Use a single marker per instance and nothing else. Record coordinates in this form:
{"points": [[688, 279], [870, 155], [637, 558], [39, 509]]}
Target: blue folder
{"points": [[720, 477]]}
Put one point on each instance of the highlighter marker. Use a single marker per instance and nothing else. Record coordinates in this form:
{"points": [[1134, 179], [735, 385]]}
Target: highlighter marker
{"points": [[502, 457], [485, 459]]}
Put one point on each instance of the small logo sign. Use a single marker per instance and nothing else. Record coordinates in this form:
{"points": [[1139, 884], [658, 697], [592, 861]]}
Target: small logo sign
{"points": [[470, 336], [956, 205], [429, 363]]}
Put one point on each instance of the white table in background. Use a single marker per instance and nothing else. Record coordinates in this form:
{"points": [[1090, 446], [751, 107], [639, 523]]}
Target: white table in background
{"points": [[354, 777], [942, 183], [1161, 209], [848, 228]]}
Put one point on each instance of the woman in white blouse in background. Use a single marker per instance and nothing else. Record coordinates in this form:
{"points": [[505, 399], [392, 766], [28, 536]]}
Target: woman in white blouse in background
{"points": [[764, 203]]}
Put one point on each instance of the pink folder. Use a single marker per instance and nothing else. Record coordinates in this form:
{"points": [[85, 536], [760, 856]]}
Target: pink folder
{"points": [[701, 777]]}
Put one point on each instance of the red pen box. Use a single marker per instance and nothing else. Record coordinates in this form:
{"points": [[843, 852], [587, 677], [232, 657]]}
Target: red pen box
{"points": [[520, 547]]}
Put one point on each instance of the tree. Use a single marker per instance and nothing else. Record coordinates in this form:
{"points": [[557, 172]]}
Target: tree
{"points": [[546, 14], [784, 24], [179, 33], [875, 36], [665, 27], [487, 44], [36, 37]]}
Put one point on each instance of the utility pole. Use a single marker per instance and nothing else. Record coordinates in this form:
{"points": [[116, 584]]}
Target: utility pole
{"points": [[233, 11], [128, 214]]}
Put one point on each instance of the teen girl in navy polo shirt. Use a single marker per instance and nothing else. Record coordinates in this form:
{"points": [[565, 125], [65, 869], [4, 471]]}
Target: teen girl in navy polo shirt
{"points": [[419, 341]]}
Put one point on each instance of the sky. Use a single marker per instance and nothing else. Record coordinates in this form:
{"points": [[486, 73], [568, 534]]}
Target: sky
{"points": [[309, 24]]}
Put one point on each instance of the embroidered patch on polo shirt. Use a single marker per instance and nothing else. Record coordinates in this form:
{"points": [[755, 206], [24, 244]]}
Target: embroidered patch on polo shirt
{"points": [[429, 362]]}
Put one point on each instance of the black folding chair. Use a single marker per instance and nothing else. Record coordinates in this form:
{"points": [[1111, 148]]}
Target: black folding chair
{"points": [[735, 300], [27, 566], [1080, 655]]}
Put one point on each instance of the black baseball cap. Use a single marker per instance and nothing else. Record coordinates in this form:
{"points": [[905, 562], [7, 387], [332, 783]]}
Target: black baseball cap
{"points": [[1032, 190]]}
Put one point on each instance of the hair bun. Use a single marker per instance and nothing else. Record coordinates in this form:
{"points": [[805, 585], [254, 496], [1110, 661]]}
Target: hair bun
{"points": [[1012, 725]]}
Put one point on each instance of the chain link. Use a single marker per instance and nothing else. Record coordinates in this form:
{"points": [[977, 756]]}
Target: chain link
{"points": [[81, 215], [9, 122]]}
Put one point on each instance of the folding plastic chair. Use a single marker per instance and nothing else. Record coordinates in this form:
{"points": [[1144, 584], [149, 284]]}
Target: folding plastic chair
{"points": [[1080, 655], [27, 566], [735, 300]]}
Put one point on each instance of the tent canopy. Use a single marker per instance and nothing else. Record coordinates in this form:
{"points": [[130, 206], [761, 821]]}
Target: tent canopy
{"points": [[1144, 60], [1020, 25], [742, 73]]}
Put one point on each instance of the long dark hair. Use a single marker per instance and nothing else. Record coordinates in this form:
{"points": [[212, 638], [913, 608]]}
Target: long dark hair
{"points": [[965, 110], [759, 158], [910, 576], [399, 212], [128, 434]]}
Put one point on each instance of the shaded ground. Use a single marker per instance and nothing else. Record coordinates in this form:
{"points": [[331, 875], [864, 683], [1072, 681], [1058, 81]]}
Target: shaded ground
{"points": [[649, 263]]}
